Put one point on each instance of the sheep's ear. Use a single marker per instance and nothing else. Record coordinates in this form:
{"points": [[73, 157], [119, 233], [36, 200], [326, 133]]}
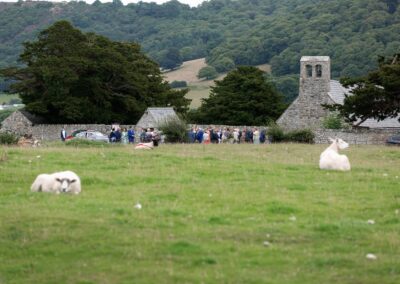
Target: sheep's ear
{"points": [[57, 179], [73, 180]]}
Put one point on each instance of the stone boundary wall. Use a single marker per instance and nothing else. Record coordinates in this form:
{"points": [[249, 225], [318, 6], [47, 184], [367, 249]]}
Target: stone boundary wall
{"points": [[51, 132], [355, 136]]}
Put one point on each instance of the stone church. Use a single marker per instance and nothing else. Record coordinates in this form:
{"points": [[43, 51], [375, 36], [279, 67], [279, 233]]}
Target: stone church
{"points": [[317, 88]]}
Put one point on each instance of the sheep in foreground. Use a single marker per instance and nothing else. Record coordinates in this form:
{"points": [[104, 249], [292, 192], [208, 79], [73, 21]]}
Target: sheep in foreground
{"points": [[60, 182], [330, 159], [145, 146]]}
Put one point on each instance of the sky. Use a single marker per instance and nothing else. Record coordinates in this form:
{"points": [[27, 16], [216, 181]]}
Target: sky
{"points": [[191, 3]]}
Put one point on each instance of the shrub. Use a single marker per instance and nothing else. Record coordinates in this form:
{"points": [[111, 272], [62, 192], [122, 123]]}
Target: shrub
{"points": [[275, 133], [333, 121], [301, 136], [8, 138], [175, 131], [178, 84]]}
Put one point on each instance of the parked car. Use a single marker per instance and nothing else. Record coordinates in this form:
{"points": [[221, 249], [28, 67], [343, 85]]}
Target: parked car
{"points": [[393, 140], [91, 135]]}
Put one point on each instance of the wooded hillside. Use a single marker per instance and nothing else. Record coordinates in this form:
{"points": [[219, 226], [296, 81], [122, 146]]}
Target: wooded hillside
{"points": [[227, 33]]}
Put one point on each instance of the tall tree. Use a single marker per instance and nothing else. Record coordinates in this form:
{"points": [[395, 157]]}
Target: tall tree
{"points": [[75, 77], [243, 97], [376, 95]]}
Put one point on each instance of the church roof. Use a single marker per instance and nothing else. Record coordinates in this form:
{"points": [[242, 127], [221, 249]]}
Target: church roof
{"points": [[314, 58], [337, 94]]}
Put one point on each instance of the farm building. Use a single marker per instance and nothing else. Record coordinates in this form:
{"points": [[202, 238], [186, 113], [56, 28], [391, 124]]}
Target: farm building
{"points": [[153, 117], [317, 88]]}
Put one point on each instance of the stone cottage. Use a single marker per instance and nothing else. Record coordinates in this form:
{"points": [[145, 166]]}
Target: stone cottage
{"points": [[153, 117], [317, 88]]}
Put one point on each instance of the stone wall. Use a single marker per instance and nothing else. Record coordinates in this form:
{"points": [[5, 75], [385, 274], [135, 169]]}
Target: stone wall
{"points": [[356, 136], [52, 132]]}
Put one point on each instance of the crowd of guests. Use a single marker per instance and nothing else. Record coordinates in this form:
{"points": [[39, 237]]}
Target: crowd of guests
{"points": [[127, 136], [227, 135]]}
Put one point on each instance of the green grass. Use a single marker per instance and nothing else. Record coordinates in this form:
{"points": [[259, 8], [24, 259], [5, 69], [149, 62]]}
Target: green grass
{"points": [[5, 98], [207, 211]]}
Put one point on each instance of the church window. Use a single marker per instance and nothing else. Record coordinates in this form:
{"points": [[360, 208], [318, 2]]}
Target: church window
{"points": [[308, 70], [318, 70]]}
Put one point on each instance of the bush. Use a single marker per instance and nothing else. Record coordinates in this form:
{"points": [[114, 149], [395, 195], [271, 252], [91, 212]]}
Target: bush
{"points": [[300, 136], [175, 131], [178, 84], [8, 138], [333, 121], [275, 133]]}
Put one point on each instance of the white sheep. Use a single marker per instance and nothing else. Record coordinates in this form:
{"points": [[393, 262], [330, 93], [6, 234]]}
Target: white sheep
{"points": [[145, 146], [330, 159], [60, 182]]}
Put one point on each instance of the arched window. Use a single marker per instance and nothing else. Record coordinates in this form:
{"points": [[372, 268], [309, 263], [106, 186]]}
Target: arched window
{"points": [[318, 70], [308, 71]]}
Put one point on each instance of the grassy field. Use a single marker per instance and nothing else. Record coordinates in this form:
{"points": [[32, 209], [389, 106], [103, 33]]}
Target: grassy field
{"points": [[5, 98], [206, 212]]}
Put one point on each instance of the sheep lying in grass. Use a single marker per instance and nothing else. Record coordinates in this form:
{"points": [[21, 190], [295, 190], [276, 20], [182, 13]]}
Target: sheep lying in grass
{"points": [[60, 182], [330, 159], [145, 146]]}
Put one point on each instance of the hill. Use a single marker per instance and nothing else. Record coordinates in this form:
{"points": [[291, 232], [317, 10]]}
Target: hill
{"points": [[228, 33], [198, 88]]}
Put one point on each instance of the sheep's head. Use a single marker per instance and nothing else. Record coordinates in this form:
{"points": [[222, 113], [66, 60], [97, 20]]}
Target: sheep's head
{"points": [[65, 184], [341, 144]]}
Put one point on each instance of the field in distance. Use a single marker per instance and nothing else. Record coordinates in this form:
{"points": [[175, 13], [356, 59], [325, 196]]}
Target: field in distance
{"points": [[210, 214], [198, 88]]}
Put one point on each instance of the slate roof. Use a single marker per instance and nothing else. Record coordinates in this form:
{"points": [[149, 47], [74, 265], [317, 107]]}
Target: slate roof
{"points": [[337, 94], [154, 116]]}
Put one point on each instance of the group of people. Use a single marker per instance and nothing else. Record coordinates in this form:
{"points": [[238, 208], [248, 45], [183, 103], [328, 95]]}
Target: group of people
{"points": [[123, 135], [227, 135]]}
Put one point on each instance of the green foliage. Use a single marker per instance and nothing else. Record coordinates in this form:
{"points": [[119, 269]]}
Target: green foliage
{"points": [[170, 59], [8, 138], [276, 134], [175, 131], [300, 136], [333, 121], [244, 32], [208, 73], [376, 95], [287, 85], [178, 84], [243, 97], [5, 113], [65, 82]]}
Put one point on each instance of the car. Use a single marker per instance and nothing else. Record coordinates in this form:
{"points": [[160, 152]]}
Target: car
{"points": [[393, 140], [91, 135]]}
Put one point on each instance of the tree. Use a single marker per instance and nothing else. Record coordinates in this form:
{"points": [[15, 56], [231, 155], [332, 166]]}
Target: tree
{"points": [[207, 72], [171, 59], [376, 95], [243, 97], [72, 77]]}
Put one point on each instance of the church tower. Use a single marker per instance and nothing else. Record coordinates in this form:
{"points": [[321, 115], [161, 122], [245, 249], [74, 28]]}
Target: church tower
{"points": [[306, 111]]}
